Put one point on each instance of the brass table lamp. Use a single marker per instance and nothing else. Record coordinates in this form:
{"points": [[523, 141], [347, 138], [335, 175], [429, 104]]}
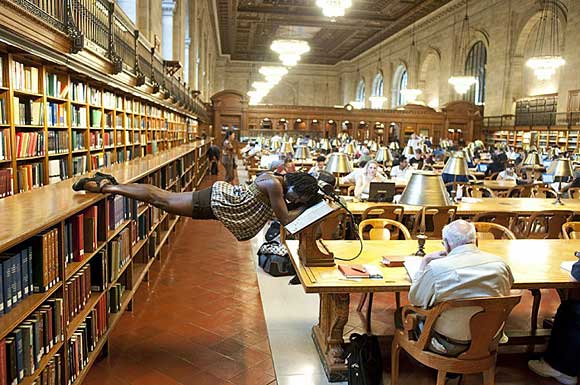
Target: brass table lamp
{"points": [[338, 163], [562, 173], [532, 162], [286, 148], [456, 166], [394, 146], [349, 149], [384, 156], [302, 153], [324, 144], [424, 189], [408, 152]]}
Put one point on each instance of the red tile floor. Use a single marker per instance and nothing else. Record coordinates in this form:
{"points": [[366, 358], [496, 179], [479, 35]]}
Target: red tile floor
{"points": [[199, 320]]}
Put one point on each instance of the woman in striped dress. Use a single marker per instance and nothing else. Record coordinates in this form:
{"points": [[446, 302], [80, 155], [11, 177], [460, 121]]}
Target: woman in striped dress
{"points": [[243, 210]]}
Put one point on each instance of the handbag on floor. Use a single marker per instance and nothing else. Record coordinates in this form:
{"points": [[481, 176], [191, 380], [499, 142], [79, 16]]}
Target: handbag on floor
{"points": [[274, 259], [364, 361]]}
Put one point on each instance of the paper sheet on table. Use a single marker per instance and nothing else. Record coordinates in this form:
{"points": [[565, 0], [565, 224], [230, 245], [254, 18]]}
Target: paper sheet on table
{"points": [[412, 264]]}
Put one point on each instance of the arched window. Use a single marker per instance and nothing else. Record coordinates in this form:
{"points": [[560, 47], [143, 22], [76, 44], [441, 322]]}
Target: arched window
{"points": [[402, 86], [360, 91], [399, 83], [475, 66], [378, 85]]}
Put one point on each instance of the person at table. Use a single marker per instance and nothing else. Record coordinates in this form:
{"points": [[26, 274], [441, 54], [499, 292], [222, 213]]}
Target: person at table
{"points": [[318, 167], [213, 153], [403, 170], [287, 167], [414, 141], [417, 159], [508, 174], [371, 173], [243, 210], [365, 155], [460, 271], [560, 360], [351, 177]]}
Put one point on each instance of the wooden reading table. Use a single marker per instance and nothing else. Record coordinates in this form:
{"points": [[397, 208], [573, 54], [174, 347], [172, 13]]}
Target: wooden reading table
{"points": [[535, 264]]}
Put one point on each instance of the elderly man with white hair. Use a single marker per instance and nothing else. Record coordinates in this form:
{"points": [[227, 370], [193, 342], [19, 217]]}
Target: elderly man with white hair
{"points": [[460, 271]]}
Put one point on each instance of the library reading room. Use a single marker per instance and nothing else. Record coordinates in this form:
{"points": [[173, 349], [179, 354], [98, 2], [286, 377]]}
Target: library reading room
{"points": [[289, 192]]}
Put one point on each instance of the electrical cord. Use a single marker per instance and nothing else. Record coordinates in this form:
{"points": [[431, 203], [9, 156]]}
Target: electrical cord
{"points": [[353, 225]]}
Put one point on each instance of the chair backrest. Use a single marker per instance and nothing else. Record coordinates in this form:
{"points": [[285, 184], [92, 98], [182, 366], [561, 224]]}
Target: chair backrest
{"points": [[574, 192], [571, 230], [382, 229], [493, 176], [490, 230], [436, 217], [476, 191], [544, 192], [350, 191], [394, 212], [546, 224], [505, 218], [334, 225], [485, 324], [522, 191]]}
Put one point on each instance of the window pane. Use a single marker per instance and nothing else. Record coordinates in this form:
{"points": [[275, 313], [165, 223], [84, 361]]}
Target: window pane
{"points": [[475, 66]]}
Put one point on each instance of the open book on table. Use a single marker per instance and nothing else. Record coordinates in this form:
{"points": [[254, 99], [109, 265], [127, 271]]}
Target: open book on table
{"points": [[412, 265], [310, 216]]}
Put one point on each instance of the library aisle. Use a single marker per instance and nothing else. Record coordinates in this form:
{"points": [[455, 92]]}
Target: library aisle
{"points": [[199, 321]]}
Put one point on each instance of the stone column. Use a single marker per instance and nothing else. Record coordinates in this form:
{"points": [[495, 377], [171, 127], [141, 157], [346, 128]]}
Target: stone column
{"points": [[167, 8], [130, 9]]}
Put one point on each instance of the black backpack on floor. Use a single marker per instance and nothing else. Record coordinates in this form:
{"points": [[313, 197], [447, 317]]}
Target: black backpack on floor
{"points": [[364, 362]]}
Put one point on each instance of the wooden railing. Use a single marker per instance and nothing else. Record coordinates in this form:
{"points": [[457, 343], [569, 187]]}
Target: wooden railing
{"points": [[109, 29], [533, 119]]}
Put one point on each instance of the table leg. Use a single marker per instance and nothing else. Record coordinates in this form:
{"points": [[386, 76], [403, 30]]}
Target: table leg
{"points": [[327, 335]]}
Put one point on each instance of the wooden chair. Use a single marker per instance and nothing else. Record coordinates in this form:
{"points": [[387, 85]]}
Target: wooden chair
{"points": [[492, 176], [522, 191], [436, 217], [571, 230], [350, 191], [506, 219], [477, 191], [544, 192], [380, 231], [394, 212], [490, 230], [574, 192], [546, 224], [486, 327]]}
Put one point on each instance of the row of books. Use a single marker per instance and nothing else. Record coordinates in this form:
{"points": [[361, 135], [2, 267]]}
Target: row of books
{"points": [[78, 140], [85, 339], [23, 77], [79, 165], [56, 114], [30, 176], [94, 96], [81, 235], [79, 116], [29, 144], [57, 142], [3, 116], [96, 118], [108, 100], [5, 144], [57, 170], [23, 349], [54, 87], [16, 277], [52, 374], [119, 210], [78, 292], [79, 92], [116, 297], [6, 182], [45, 260], [27, 112], [119, 254]]}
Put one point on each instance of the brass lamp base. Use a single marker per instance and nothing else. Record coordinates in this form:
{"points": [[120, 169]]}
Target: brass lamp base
{"points": [[558, 200], [421, 239]]}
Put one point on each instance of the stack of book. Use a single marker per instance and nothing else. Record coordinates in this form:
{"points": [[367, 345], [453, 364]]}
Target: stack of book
{"points": [[23, 349], [3, 115], [16, 277], [56, 114], [118, 211], [6, 182], [78, 292], [54, 87], [95, 96], [57, 170], [30, 176], [96, 140], [79, 92], [52, 374], [5, 144], [27, 112], [79, 116], [95, 118], [80, 235], [79, 164], [119, 253], [115, 297], [29, 144], [57, 142], [45, 260], [85, 339], [78, 141], [24, 77]]}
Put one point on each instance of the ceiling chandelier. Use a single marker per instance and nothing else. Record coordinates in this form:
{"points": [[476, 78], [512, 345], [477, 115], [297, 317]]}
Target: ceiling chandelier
{"points": [[290, 50], [546, 58], [334, 8], [411, 94], [273, 74], [378, 100], [460, 80]]}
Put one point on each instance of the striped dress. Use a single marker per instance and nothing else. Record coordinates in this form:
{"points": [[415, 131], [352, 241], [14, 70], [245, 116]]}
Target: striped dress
{"points": [[243, 210]]}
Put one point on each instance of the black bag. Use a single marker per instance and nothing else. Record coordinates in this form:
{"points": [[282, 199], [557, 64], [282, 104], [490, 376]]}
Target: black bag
{"points": [[273, 258], [214, 168], [364, 362]]}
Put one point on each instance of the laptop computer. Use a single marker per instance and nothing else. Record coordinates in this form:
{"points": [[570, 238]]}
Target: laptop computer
{"points": [[548, 178], [482, 167], [381, 191]]}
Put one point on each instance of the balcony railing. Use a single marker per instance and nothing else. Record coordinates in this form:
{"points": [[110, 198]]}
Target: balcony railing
{"points": [[533, 119], [109, 29]]}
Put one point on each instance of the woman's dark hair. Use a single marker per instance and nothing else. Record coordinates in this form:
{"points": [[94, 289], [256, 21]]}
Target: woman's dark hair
{"points": [[304, 184], [321, 158]]}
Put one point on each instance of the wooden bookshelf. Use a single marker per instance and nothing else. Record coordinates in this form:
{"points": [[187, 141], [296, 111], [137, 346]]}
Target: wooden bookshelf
{"points": [[179, 168]]}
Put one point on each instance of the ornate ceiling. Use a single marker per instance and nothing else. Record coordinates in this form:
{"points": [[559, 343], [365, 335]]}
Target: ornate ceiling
{"points": [[247, 27]]}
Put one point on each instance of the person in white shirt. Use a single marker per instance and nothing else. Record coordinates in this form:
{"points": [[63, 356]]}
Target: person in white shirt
{"points": [[414, 141], [461, 271], [371, 173], [319, 166], [403, 171], [508, 174]]}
